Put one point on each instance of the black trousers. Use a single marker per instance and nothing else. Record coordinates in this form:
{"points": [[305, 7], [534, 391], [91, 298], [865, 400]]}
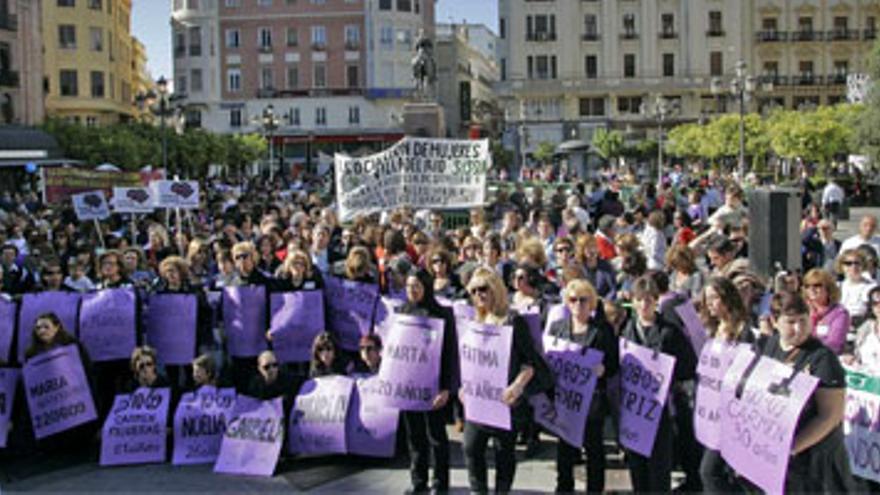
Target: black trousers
{"points": [[653, 474], [716, 475], [476, 440], [426, 439], [688, 451], [566, 456]]}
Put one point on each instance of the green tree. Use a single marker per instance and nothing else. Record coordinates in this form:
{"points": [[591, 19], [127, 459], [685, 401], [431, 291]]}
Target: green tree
{"points": [[608, 144], [544, 153]]}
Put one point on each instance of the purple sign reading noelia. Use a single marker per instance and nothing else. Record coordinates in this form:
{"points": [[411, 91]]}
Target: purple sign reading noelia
{"points": [[199, 424], [252, 442], [134, 432], [371, 429], [318, 418], [296, 319], [63, 304], [8, 381], [484, 357], [645, 377], [350, 307], [107, 326], [171, 327], [409, 376], [244, 318], [57, 391]]}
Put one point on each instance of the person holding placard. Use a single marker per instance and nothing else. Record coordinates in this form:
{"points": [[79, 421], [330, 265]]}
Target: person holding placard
{"points": [[582, 328], [528, 374], [145, 369], [204, 372], [426, 431], [272, 382], [370, 354], [326, 360], [297, 273]]}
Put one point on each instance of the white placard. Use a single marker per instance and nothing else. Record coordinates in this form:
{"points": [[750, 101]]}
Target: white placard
{"points": [[90, 205], [132, 200], [183, 194]]}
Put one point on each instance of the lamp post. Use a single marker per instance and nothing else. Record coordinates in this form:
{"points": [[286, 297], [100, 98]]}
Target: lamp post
{"points": [[659, 109], [269, 122], [159, 102], [742, 87]]}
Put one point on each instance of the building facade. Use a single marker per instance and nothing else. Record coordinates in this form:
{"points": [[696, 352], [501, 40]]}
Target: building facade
{"points": [[21, 62]]}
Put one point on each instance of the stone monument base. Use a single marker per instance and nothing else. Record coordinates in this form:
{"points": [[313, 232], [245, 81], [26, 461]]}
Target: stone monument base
{"points": [[424, 120]]}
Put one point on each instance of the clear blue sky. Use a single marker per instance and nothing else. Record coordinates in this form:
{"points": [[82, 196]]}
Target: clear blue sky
{"points": [[150, 23]]}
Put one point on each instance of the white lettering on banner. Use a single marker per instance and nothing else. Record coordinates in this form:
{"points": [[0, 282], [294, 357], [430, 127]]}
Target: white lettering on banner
{"points": [[417, 172]]}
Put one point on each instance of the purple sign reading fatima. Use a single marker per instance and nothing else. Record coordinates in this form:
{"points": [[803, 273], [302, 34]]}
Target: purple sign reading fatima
{"points": [[318, 418], [484, 357], [63, 304], [244, 317], [693, 326], [107, 324], [296, 319], [253, 438], [350, 307], [574, 368], [134, 432], [409, 375], [371, 429], [716, 357], [171, 327], [8, 381], [7, 326], [645, 376], [58, 393], [199, 424], [759, 423]]}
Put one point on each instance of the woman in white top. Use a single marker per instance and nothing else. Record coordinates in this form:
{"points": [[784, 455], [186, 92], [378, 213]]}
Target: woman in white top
{"points": [[855, 285], [866, 354], [653, 240]]}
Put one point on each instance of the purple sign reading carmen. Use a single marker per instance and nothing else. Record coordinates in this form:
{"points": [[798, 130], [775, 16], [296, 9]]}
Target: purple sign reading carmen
{"points": [[409, 376], [171, 327], [252, 442], [134, 432], [63, 304], [645, 377], [244, 318], [107, 324], [318, 418], [199, 424], [296, 319], [57, 391], [484, 359]]}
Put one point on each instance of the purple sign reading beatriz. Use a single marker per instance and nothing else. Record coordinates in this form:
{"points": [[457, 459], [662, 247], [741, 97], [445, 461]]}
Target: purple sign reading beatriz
{"points": [[645, 377]]}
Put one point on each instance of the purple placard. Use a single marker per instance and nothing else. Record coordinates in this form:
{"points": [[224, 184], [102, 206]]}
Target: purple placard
{"points": [[199, 424], [107, 326], [409, 376], [7, 326], [371, 428], [463, 311], [385, 307], [57, 391], [573, 366], [135, 429], [350, 307], [63, 304], [8, 381], [693, 326], [484, 358], [252, 442], [555, 313], [317, 421], [171, 327], [716, 358], [244, 318], [759, 425], [645, 377], [296, 319]]}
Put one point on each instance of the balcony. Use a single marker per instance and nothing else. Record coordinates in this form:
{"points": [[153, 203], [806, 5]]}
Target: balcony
{"points": [[9, 22], [715, 33], [590, 37], [265, 49], [8, 78], [352, 45], [807, 36], [807, 80], [869, 34], [836, 79], [541, 36], [774, 79], [842, 35], [770, 36], [668, 35], [317, 92], [319, 47], [629, 36]]}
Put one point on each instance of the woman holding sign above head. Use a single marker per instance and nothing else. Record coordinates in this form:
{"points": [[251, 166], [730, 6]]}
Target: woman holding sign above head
{"points": [[527, 374], [583, 327]]}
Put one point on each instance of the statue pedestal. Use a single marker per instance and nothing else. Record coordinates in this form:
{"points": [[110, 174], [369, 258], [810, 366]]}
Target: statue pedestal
{"points": [[424, 120]]}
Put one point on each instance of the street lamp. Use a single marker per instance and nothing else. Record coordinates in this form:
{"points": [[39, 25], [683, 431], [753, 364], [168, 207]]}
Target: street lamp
{"points": [[269, 123], [742, 87], [159, 102], [659, 109]]}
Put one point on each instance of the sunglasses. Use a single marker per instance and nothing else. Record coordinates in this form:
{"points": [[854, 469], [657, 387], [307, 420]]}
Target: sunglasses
{"points": [[270, 366], [852, 263], [814, 286], [482, 289], [241, 257], [146, 364], [368, 348], [579, 300], [563, 249]]}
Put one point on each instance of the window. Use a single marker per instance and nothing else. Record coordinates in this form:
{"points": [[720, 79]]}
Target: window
{"points": [[354, 115], [97, 80], [267, 77], [233, 80], [769, 24], [591, 66], [67, 36], [294, 116], [68, 83], [668, 65], [386, 36], [502, 28], [293, 76], [629, 65], [629, 26], [235, 116], [715, 27], [5, 57], [179, 44], [193, 119], [629, 104], [806, 71], [233, 38], [541, 27], [96, 37], [91, 121], [195, 80], [503, 69], [195, 41], [404, 5], [67, 3], [545, 67], [319, 76], [318, 2], [667, 25], [530, 64], [404, 37], [771, 69], [841, 67], [384, 4], [264, 37], [95, 5], [352, 76], [841, 23], [352, 37], [181, 84], [591, 31], [716, 64], [319, 37], [592, 107], [320, 116], [292, 36]]}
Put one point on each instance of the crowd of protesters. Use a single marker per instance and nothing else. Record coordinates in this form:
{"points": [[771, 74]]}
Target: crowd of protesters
{"points": [[617, 254]]}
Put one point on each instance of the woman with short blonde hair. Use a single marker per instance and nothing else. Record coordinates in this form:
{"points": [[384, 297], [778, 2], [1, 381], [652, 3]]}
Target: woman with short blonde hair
{"points": [[831, 320]]}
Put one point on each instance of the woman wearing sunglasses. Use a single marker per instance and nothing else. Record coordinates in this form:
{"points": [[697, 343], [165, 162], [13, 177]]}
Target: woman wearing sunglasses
{"points": [[830, 320], [855, 285], [866, 354], [145, 370], [440, 266], [528, 375], [591, 331]]}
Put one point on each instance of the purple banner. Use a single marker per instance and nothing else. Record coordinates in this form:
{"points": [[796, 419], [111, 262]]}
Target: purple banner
{"points": [[244, 318], [7, 327], [107, 326], [252, 442], [555, 313], [172, 320], [135, 429], [409, 376], [693, 326], [58, 393], [63, 304], [318, 418], [573, 366], [716, 358], [296, 319], [350, 307], [8, 382], [199, 424], [759, 425], [371, 429], [645, 377], [484, 357]]}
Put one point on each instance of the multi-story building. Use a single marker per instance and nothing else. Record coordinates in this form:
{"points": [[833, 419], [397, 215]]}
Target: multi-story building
{"points": [[141, 81], [88, 60], [336, 72], [21, 62]]}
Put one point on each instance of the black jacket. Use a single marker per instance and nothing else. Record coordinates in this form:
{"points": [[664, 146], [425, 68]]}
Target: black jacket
{"points": [[669, 339], [599, 336]]}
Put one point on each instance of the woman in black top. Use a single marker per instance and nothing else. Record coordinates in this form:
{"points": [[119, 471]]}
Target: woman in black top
{"points": [[325, 356], [144, 370], [583, 328], [426, 431], [297, 273]]}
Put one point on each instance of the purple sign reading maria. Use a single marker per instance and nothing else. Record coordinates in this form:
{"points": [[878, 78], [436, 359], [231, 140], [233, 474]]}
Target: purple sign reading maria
{"points": [[58, 393], [409, 376], [244, 317], [107, 326], [199, 424], [484, 358], [296, 319], [134, 432], [573, 366], [318, 418], [759, 424], [63, 304], [171, 327], [693, 326], [645, 377], [8, 381], [7, 326], [371, 429], [253, 438], [350, 307], [716, 358]]}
